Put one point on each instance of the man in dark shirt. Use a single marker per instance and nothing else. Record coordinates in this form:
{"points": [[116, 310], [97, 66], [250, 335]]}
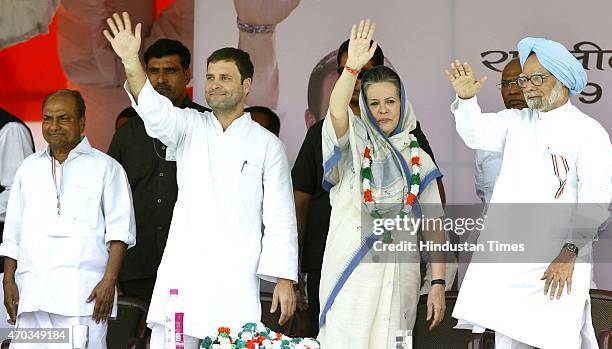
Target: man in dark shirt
{"points": [[312, 201], [265, 117], [151, 177]]}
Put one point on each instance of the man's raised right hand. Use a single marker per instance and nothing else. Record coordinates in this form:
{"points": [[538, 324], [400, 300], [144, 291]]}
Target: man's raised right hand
{"points": [[125, 43], [462, 78]]}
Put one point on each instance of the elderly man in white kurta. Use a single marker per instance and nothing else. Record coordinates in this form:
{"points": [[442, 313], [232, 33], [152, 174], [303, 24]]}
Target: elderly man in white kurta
{"points": [[69, 221], [233, 176], [553, 153]]}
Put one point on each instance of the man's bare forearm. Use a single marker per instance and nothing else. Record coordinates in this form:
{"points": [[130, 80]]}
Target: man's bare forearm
{"points": [[115, 259], [10, 266], [302, 203]]}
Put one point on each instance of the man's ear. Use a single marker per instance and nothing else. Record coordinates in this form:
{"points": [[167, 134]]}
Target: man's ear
{"points": [[188, 76], [247, 85], [82, 124]]}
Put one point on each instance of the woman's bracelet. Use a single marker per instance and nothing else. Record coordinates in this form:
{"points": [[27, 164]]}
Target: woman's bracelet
{"points": [[351, 70]]}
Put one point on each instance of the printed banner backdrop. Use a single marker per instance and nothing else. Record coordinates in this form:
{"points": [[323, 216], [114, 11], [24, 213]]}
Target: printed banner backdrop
{"points": [[419, 40]]}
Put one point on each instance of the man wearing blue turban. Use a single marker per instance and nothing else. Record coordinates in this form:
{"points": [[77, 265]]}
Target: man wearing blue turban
{"points": [[553, 154]]}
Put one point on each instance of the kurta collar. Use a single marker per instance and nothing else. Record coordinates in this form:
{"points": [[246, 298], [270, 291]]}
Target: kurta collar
{"points": [[558, 112], [82, 148], [236, 123]]}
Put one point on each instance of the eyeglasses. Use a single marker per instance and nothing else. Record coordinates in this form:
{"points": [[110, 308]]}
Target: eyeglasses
{"points": [[536, 79], [507, 84], [359, 76]]}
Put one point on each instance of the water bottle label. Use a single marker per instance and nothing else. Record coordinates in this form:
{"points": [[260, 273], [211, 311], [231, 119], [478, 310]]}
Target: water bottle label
{"points": [[178, 329]]}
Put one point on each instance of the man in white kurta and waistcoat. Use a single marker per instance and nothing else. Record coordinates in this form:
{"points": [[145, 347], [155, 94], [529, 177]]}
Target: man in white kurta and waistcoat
{"points": [[233, 176], [69, 221], [553, 154]]}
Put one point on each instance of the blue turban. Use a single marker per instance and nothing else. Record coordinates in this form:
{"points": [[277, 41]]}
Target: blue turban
{"points": [[557, 60]]}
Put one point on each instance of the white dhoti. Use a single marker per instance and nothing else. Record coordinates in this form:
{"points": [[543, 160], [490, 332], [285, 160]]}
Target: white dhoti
{"points": [[40, 319]]}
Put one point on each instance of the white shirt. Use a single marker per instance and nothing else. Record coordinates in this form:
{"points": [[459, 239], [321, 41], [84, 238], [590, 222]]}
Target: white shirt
{"points": [[15, 145], [487, 167], [230, 183], [509, 297], [61, 258]]}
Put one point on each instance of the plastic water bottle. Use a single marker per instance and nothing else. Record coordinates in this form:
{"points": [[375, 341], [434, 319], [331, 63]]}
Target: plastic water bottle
{"points": [[173, 322]]}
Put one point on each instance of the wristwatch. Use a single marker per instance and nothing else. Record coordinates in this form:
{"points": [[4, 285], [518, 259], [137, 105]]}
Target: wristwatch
{"points": [[571, 248], [438, 282]]}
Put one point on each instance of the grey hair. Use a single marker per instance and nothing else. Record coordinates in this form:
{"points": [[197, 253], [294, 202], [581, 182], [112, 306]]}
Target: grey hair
{"points": [[76, 95], [381, 73]]}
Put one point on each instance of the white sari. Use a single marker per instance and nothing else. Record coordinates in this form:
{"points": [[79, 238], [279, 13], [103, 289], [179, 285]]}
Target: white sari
{"points": [[367, 309]]}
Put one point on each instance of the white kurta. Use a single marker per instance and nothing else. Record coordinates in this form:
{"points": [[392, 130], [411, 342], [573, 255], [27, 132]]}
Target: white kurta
{"points": [[509, 297], [60, 259], [230, 183]]}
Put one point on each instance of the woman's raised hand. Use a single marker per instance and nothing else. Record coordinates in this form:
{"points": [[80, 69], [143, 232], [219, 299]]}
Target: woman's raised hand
{"points": [[360, 51]]}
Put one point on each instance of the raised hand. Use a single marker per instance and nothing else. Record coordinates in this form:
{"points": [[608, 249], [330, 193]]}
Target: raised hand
{"points": [[125, 43], [360, 51], [462, 78]]}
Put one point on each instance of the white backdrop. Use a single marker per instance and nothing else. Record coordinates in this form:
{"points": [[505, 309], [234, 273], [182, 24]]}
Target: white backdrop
{"points": [[421, 38]]}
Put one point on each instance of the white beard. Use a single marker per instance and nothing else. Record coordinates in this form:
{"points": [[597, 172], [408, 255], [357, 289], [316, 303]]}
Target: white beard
{"points": [[545, 104]]}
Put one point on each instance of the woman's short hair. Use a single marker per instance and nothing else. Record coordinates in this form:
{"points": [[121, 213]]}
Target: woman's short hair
{"points": [[381, 73]]}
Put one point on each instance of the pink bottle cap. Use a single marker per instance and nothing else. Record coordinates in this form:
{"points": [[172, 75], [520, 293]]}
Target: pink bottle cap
{"points": [[174, 291]]}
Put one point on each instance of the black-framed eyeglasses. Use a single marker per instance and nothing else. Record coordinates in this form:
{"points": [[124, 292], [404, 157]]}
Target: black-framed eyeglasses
{"points": [[536, 79], [507, 84], [359, 76]]}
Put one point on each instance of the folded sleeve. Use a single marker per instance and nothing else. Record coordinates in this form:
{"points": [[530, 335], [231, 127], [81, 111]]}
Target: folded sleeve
{"points": [[486, 131], [118, 209], [279, 255]]}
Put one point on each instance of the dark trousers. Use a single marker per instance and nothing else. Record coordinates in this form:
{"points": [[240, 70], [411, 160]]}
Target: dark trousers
{"points": [[312, 288], [141, 288]]}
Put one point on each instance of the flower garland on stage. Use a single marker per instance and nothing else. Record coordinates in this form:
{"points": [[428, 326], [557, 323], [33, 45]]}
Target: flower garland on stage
{"points": [[415, 182], [256, 336]]}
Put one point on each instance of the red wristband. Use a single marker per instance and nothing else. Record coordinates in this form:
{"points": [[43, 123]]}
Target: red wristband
{"points": [[351, 70]]}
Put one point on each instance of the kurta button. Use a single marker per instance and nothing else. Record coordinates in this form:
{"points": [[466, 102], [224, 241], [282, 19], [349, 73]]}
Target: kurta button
{"points": [[161, 174], [159, 201], [163, 147]]}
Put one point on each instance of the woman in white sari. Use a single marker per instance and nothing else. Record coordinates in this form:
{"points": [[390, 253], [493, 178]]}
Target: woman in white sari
{"points": [[373, 168]]}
